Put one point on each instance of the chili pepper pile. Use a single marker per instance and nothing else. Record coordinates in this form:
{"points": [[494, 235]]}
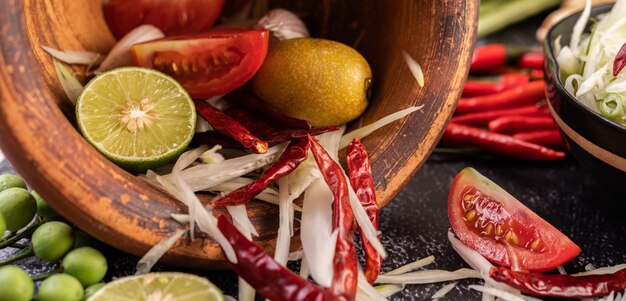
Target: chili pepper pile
{"points": [[502, 109]]}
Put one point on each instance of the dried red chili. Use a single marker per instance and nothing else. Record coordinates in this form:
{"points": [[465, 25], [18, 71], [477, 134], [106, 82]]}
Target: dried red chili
{"points": [[556, 285], [360, 174], [486, 87], [296, 152], [498, 143], [230, 127], [253, 123], [620, 60], [345, 262], [528, 93], [483, 118], [272, 115], [519, 124], [213, 138], [269, 278]]}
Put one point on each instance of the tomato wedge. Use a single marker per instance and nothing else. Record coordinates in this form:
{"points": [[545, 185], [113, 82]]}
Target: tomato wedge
{"points": [[173, 17], [489, 220], [207, 64]]}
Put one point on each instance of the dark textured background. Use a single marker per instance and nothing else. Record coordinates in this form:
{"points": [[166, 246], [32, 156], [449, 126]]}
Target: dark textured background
{"points": [[414, 225]]}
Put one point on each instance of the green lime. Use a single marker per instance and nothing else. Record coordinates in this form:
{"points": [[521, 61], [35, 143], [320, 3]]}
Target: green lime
{"points": [[159, 286], [52, 240], [92, 289], [60, 287], [9, 180], [15, 284], [43, 209], [87, 264], [3, 225], [18, 207], [138, 118]]}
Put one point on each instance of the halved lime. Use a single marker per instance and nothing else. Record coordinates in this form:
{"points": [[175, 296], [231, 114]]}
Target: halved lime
{"points": [[138, 118], [159, 287]]}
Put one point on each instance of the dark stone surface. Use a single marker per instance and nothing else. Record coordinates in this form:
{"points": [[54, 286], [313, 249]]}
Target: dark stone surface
{"points": [[414, 225]]}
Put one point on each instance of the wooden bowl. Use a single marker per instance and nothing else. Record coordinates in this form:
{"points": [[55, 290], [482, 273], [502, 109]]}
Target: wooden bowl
{"points": [[124, 211]]}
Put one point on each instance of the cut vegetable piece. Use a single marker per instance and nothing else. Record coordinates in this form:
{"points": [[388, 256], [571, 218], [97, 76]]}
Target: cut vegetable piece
{"points": [[146, 262], [157, 286], [242, 220], [388, 290], [443, 291], [206, 64], [415, 68], [360, 133], [71, 86], [411, 266], [429, 276], [75, 57], [498, 293], [119, 56], [491, 221], [285, 214], [138, 118]]}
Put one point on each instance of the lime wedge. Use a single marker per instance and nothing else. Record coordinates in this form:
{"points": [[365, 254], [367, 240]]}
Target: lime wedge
{"points": [[159, 287], [138, 118]]}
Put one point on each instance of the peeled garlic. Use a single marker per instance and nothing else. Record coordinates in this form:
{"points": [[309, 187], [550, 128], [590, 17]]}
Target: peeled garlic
{"points": [[283, 24]]}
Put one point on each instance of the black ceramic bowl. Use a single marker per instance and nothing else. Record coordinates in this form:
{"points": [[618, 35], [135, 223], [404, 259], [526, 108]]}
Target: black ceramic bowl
{"points": [[596, 142]]}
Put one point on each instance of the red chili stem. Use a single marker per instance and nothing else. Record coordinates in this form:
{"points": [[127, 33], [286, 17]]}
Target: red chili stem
{"points": [[498, 143], [532, 60], [483, 118], [557, 285], [483, 87], [345, 261], [250, 121], [528, 93], [360, 174], [550, 138], [272, 115], [269, 278], [510, 125], [281, 136], [620, 60], [230, 127], [296, 152]]}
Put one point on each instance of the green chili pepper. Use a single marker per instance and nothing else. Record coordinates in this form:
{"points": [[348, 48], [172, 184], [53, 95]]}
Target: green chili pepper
{"points": [[612, 107]]}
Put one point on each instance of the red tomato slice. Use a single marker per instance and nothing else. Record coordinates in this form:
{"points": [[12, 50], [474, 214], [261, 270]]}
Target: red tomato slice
{"points": [[207, 64], [173, 17], [489, 220]]}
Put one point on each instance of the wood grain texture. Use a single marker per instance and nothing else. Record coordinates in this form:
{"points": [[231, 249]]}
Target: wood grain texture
{"points": [[127, 213]]}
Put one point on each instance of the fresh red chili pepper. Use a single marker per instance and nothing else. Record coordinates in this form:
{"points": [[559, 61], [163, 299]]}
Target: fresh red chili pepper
{"points": [[488, 57], [345, 262], [483, 118], [281, 136], [296, 152], [620, 60], [550, 138], [485, 87], [536, 74], [272, 115], [250, 121], [557, 285], [360, 174], [531, 60], [269, 278], [230, 127], [498, 143], [510, 125], [528, 93]]}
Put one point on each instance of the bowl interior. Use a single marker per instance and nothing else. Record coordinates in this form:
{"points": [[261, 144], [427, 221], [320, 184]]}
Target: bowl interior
{"points": [[38, 137]]}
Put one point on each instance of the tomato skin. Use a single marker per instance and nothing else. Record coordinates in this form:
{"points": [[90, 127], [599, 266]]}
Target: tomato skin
{"points": [[173, 17], [206, 64], [557, 248]]}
